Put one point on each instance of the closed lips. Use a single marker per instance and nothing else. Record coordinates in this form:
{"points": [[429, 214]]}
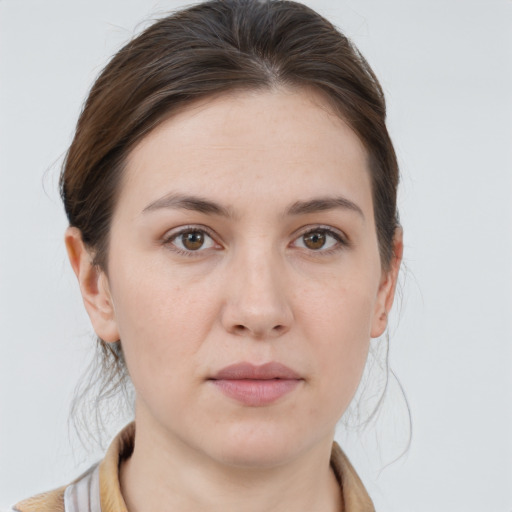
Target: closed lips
{"points": [[256, 385], [248, 371]]}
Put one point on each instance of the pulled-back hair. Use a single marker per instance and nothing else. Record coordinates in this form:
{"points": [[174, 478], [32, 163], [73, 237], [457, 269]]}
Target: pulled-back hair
{"points": [[208, 49]]}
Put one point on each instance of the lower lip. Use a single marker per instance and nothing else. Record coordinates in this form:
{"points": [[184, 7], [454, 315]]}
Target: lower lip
{"points": [[256, 393]]}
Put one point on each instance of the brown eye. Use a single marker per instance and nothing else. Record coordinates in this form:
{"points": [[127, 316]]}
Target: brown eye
{"points": [[320, 240], [193, 240], [315, 240]]}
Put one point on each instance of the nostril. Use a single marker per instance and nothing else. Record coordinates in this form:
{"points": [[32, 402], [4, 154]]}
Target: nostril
{"points": [[242, 329]]}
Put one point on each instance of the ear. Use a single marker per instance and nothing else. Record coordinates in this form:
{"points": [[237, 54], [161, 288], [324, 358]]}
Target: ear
{"points": [[93, 286], [387, 287]]}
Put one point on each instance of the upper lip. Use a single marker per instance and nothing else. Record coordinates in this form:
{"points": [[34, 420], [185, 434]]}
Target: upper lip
{"points": [[268, 371]]}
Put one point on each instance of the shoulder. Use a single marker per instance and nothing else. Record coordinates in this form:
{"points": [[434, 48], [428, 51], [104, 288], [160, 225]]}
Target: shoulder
{"points": [[96, 490], [81, 495], [51, 501]]}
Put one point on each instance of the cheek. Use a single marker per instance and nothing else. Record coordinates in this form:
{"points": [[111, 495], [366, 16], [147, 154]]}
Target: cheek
{"points": [[162, 322], [339, 325]]}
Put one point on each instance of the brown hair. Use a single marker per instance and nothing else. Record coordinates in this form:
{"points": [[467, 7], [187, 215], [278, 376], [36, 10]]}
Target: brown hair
{"points": [[211, 48]]}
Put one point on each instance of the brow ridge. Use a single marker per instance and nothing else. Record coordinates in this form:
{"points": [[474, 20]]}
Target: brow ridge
{"points": [[187, 202], [322, 204], [203, 205]]}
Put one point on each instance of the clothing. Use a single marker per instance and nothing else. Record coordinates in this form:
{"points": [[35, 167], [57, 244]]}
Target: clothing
{"points": [[98, 489]]}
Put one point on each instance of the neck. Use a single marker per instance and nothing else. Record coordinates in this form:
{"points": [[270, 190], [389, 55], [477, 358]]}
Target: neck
{"points": [[166, 475]]}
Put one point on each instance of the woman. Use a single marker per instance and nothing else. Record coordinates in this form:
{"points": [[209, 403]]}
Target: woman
{"points": [[231, 194]]}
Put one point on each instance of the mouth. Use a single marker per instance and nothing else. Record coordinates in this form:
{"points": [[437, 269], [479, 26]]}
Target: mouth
{"points": [[256, 386]]}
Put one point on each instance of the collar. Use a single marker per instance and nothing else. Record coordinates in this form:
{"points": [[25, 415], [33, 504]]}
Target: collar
{"points": [[355, 497]]}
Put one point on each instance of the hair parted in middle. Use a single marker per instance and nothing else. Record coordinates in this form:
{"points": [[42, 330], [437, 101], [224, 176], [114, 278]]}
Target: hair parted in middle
{"points": [[206, 50]]}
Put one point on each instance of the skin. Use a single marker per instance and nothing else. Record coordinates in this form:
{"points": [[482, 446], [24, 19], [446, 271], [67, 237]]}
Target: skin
{"points": [[255, 291]]}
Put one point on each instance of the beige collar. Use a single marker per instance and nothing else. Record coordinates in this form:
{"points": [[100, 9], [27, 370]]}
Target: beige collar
{"points": [[355, 497]]}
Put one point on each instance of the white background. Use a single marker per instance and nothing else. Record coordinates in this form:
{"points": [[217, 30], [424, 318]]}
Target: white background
{"points": [[446, 67]]}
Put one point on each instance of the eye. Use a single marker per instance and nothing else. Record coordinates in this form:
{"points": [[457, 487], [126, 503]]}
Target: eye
{"points": [[191, 240], [320, 240]]}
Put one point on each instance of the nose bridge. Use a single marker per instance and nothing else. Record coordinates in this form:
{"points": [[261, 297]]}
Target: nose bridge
{"points": [[256, 301]]}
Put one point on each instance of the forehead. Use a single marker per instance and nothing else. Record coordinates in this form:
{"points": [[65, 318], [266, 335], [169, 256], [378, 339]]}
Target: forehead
{"points": [[271, 145]]}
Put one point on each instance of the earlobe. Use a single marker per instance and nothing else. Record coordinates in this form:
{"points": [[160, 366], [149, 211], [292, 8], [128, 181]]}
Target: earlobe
{"points": [[387, 288], [94, 286]]}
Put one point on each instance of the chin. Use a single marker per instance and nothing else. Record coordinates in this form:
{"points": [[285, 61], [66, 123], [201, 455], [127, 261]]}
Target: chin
{"points": [[256, 457], [260, 446]]}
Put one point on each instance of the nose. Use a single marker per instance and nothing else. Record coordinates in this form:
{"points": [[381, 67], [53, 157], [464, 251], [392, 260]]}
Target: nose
{"points": [[256, 302]]}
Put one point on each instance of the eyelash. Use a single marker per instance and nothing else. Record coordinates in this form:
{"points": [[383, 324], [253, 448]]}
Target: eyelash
{"points": [[341, 241]]}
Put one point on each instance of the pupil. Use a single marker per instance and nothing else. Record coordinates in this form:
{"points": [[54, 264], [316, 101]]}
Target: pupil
{"points": [[193, 240], [315, 240]]}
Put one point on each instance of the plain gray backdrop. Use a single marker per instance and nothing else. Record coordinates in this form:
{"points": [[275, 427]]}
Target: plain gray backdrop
{"points": [[446, 68]]}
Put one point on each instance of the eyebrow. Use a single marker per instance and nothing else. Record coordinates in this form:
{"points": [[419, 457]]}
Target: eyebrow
{"points": [[203, 205], [322, 204], [185, 202]]}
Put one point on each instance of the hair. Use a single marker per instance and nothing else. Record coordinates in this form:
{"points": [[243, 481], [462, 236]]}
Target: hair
{"points": [[208, 49]]}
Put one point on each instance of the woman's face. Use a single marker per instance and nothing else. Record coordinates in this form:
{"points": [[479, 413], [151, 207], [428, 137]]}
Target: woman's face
{"points": [[244, 277]]}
